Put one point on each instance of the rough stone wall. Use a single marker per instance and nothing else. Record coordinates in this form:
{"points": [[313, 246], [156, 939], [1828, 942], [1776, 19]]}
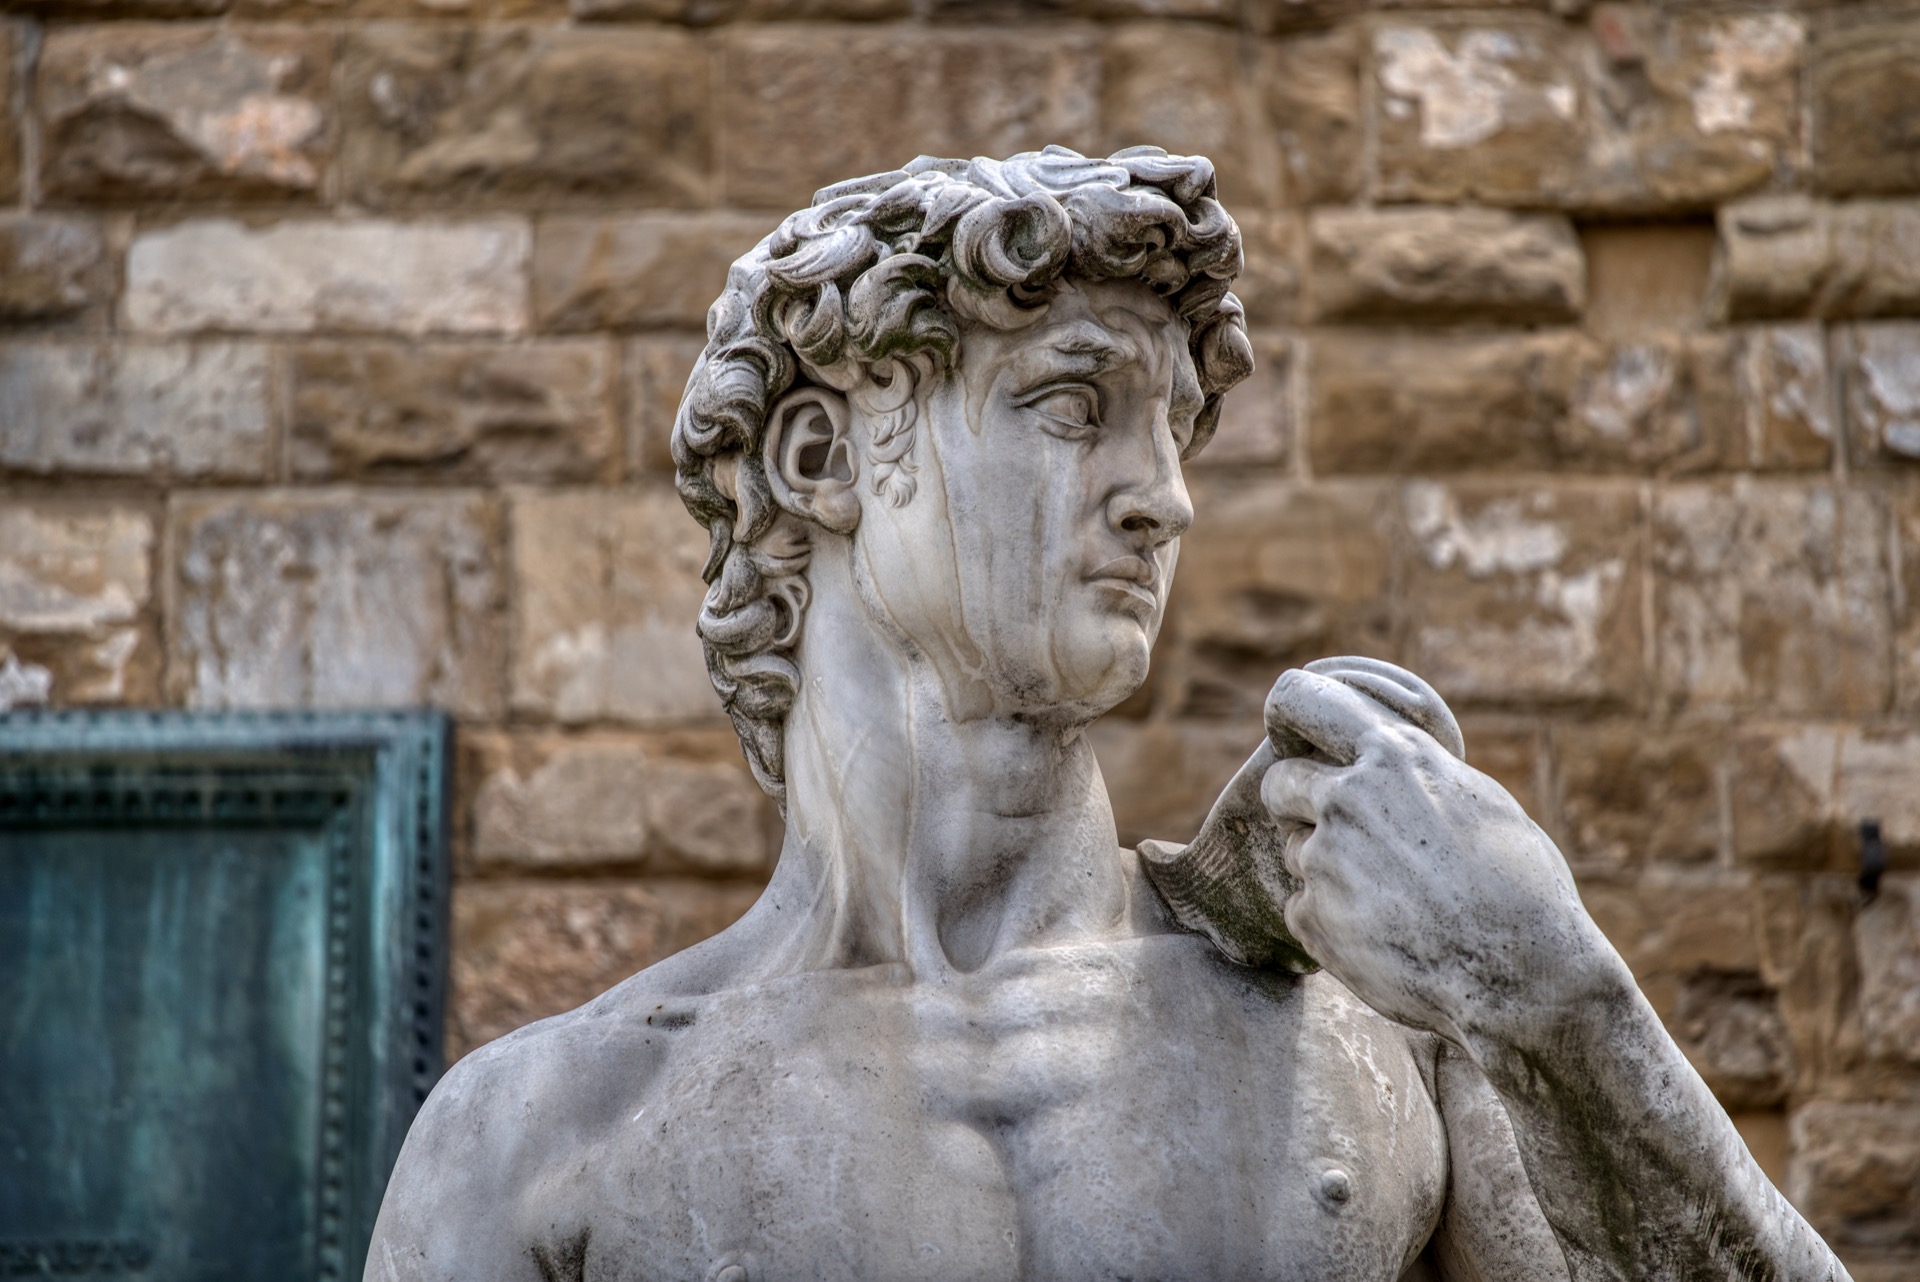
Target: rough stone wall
{"points": [[339, 342]]}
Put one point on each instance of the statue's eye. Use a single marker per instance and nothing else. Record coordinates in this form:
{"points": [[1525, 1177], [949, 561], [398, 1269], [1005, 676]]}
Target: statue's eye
{"points": [[1072, 412]]}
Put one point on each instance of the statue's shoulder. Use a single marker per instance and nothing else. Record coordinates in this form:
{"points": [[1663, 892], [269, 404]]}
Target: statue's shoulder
{"points": [[461, 1200]]}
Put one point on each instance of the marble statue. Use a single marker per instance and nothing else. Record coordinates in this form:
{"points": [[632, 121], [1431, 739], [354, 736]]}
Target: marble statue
{"points": [[1359, 1028]]}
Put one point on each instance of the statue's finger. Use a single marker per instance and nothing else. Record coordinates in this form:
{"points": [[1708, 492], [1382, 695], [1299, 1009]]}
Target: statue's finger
{"points": [[1321, 712], [1400, 691], [1295, 790]]}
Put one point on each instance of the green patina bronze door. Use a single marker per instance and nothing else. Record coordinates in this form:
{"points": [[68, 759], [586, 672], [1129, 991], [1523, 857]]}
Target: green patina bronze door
{"points": [[221, 969]]}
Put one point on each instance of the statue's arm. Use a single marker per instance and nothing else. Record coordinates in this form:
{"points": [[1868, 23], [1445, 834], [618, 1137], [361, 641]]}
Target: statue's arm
{"points": [[1427, 891], [1492, 1228]]}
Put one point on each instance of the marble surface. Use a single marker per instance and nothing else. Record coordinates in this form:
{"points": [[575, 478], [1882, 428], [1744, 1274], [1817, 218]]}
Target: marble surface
{"points": [[1359, 1027]]}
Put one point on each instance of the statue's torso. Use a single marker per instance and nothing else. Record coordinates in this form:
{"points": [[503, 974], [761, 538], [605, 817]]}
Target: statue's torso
{"points": [[1134, 1109]]}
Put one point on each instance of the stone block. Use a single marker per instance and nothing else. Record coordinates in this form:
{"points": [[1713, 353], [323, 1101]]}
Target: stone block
{"points": [[325, 599], [1519, 595], [687, 803], [654, 372], [938, 92], [1906, 650], [1274, 574], [150, 410], [1791, 256], [1445, 265], [486, 115], [453, 412], [1487, 110], [1881, 374], [1164, 776], [1807, 957], [1729, 1024], [1664, 403], [1772, 596], [308, 274], [1864, 84], [1673, 924], [636, 272], [1855, 1173], [1628, 794], [525, 949], [708, 13], [1312, 85], [1269, 285], [76, 585], [1646, 278], [184, 113], [1257, 418], [10, 141], [1689, 109], [1188, 89], [1887, 935], [1782, 796], [53, 269], [1786, 398], [609, 592], [1394, 402], [91, 10]]}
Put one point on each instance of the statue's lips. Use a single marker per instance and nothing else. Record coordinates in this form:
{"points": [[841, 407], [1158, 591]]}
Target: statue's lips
{"points": [[1132, 575]]}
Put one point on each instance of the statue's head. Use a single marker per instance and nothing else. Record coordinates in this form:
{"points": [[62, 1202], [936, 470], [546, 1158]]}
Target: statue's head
{"points": [[983, 376]]}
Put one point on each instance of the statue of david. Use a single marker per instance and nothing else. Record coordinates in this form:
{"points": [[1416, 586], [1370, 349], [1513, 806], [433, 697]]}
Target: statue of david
{"points": [[1360, 1028]]}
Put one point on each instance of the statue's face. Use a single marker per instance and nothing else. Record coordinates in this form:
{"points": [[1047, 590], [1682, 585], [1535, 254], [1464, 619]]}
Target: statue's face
{"points": [[1033, 565]]}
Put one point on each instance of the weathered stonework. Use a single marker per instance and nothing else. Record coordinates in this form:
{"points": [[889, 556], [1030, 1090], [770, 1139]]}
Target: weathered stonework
{"points": [[607, 581], [526, 949], [1258, 429], [1524, 595], [1627, 797], [640, 272], [1888, 934], [1285, 571], [1865, 81], [1787, 399], [1188, 90], [1487, 111], [1312, 89], [165, 410], [10, 141], [1396, 402], [53, 269], [76, 585], [946, 93], [183, 113], [1406, 265], [437, 115], [333, 600], [655, 804], [453, 411], [1773, 598], [1790, 255], [1882, 376], [299, 276], [1854, 1167], [1690, 109], [654, 373]]}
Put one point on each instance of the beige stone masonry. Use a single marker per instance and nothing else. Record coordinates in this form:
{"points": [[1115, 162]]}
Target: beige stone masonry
{"points": [[312, 274]]}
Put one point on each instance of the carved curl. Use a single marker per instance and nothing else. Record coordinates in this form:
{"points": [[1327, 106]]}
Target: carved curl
{"points": [[864, 292]]}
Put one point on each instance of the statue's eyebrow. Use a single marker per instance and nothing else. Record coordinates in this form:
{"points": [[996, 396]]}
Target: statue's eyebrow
{"points": [[1082, 348]]}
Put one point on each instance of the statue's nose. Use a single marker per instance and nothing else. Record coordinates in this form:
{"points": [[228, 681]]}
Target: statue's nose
{"points": [[1155, 512]]}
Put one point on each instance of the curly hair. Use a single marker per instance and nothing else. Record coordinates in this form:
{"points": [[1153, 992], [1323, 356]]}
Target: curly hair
{"points": [[864, 292]]}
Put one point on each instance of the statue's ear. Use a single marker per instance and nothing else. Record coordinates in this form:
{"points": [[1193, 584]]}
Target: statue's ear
{"points": [[810, 461]]}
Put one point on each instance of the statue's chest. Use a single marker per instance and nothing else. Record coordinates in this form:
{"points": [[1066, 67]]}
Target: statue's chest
{"points": [[1079, 1115]]}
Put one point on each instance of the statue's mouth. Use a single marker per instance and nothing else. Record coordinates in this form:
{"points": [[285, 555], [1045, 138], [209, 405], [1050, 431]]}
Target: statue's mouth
{"points": [[1134, 575]]}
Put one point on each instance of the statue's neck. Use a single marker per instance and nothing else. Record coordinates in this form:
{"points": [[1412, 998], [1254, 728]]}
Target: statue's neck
{"points": [[916, 837]]}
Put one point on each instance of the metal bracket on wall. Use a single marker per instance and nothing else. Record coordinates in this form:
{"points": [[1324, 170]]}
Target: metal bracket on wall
{"points": [[222, 976]]}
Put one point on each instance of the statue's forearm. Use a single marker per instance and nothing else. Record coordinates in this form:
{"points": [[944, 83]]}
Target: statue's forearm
{"points": [[1637, 1167]]}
